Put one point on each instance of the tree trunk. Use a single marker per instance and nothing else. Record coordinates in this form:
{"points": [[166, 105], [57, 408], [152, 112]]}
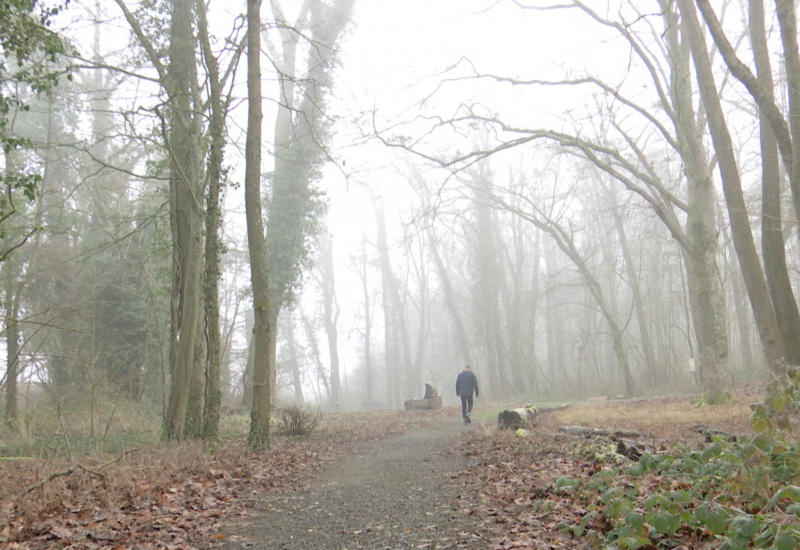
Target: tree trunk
{"points": [[11, 306], [259, 436], [185, 194], [369, 384], [746, 253], [321, 376], [331, 310], [706, 297], [787, 20], [450, 300], [216, 129], [294, 363], [772, 245]]}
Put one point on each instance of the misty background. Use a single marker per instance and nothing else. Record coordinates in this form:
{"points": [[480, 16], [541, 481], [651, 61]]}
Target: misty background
{"points": [[544, 191]]}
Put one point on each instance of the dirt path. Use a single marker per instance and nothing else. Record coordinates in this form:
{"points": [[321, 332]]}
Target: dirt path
{"points": [[395, 493]]}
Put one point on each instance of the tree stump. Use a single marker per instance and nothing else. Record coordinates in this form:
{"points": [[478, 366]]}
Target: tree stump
{"points": [[432, 401], [514, 419]]}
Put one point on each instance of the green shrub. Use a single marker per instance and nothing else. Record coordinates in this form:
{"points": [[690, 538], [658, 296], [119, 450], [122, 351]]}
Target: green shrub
{"points": [[742, 494]]}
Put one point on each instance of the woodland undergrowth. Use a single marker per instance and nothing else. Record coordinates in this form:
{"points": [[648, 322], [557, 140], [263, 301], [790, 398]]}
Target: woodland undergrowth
{"points": [[164, 495], [731, 491]]}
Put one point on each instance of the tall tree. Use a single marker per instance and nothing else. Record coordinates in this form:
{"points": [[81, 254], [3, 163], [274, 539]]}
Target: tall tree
{"points": [[186, 210], [775, 136], [746, 252], [301, 135], [330, 308], [259, 437]]}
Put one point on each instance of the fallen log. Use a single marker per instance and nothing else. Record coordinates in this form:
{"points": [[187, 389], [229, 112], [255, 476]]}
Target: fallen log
{"points": [[709, 433], [587, 432]]}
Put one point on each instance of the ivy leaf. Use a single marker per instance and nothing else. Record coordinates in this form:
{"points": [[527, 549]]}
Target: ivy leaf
{"points": [[791, 492], [742, 528], [713, 516], [664, 522], [786, 541]]}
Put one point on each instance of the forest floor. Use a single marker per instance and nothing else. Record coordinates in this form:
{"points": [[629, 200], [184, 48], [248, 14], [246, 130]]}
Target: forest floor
{"points": [[363, 480]]}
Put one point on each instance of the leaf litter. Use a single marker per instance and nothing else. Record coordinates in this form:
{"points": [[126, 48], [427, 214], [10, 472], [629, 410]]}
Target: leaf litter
{"points": [[510, 490]]}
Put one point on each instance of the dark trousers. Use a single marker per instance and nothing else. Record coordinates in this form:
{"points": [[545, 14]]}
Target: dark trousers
{"points": [[466, 405]]}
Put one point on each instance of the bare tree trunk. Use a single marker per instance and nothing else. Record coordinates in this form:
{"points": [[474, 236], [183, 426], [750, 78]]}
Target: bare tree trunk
{"points": [[186, 193], [772, 245], [294, 363], [369, 383], [488, 275], [394, 313], [638, 299], [216, 129], [247, 375], [749, 261], [259, 436], [787, 20], [331, 310], [450, 301], [700, 255], [553, 321], [11, 307], [321, 375]]}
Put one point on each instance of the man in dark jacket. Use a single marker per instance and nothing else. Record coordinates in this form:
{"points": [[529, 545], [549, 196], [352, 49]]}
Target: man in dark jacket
{"points": [[466, 383]]}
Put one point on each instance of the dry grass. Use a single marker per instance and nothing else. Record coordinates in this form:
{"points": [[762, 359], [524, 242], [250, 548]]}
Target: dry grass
{"points": [[666, 418]]}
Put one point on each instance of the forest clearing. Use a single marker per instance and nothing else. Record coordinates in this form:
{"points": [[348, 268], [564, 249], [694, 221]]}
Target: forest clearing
{"points": [[466, 486]]}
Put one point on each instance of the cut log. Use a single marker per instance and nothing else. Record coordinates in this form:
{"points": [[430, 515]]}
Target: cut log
{"points": [[431, 402], [514, 419]]}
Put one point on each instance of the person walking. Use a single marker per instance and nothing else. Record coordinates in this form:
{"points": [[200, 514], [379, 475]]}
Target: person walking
{"points": [[466, 383]]}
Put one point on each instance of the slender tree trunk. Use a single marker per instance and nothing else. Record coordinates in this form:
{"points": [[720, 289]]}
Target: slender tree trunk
{"points": [[369, 384], [247, 375], [321, 375], [638, 300], [772, 245], [216, 130], [331, 309], [259, 436], [294, 364], [787, 20], [394, 312], [450, 300], [11, 306]]}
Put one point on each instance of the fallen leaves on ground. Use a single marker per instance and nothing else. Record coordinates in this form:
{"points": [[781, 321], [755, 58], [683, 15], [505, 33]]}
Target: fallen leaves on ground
{"points": [[173, 496], [519, 488]]}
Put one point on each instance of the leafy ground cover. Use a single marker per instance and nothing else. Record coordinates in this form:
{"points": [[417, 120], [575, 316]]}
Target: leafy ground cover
{"points": [[552, 490], [547, 489]]}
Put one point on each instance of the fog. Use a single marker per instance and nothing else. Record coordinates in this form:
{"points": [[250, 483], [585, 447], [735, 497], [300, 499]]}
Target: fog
{"points": [[540, 190]]}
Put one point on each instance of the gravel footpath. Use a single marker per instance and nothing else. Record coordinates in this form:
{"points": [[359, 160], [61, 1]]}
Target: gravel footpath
{"points": [[389, 494]]}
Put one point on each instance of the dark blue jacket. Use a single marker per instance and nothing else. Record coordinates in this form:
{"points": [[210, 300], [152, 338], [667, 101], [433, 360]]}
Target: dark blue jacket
{"points": [[466, 383]]}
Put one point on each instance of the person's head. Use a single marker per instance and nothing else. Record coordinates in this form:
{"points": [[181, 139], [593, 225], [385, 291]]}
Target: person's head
{"points": [[467, 367]]}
